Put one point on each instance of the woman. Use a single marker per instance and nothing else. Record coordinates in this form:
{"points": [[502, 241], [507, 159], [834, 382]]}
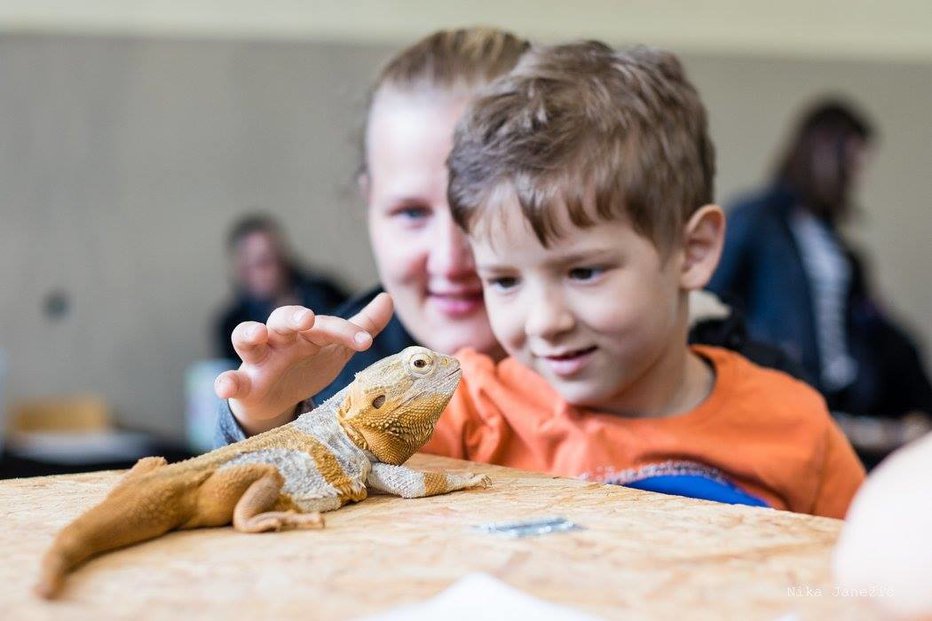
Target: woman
{"points": [[803, 288], [422, 258]]}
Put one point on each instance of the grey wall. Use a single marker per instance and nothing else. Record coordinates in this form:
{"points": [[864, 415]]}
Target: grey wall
{"points": [[123, 161]]}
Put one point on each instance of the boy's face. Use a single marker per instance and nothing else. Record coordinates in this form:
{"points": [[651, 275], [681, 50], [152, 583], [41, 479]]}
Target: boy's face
{"points": [[596, 314]]}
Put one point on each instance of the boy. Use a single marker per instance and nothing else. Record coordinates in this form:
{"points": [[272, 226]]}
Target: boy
{"points": [[584, 182]]}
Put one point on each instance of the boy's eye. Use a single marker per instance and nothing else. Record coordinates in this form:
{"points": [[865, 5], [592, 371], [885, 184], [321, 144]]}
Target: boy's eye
{"points": [[502, 283], [585, 273]]}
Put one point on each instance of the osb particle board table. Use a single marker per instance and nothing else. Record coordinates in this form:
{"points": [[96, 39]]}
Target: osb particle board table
{"points": [[641, 555]]}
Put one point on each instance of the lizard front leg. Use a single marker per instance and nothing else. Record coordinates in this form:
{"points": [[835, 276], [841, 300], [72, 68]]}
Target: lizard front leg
{"points": [[409, 483]]}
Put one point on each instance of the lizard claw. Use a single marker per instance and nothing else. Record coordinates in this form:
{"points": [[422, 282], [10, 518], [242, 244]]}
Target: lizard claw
{"points": [[479, 480]]}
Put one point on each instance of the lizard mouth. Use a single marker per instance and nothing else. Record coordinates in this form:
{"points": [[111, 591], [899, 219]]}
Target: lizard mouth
{"points": [[453, 377]]}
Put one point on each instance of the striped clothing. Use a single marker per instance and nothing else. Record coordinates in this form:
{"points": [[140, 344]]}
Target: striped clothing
{"points": [[829, 274]]}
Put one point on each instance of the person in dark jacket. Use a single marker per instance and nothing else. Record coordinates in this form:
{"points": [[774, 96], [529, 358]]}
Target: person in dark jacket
{"points": [[801, 285]]}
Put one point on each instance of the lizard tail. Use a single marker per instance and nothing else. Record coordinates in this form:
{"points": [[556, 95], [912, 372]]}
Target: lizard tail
{"points": [[53, 572], [122, 519]]}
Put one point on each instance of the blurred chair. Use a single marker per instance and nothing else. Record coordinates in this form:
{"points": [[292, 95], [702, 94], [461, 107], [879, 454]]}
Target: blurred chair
{"points": [[63, 414], [70, 429], [74, 433]]}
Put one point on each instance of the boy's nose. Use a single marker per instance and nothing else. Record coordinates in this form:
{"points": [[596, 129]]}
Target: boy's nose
{"points": [[548, 316], [450, 255]]}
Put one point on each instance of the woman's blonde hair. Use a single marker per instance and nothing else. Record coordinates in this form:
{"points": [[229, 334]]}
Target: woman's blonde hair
{"points": [[452, 61]]}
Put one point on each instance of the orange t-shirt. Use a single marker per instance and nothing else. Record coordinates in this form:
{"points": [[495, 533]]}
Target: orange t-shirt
{"points": [[764, 433]]}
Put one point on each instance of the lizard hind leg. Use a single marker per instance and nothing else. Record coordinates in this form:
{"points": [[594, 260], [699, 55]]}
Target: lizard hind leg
{"points": [[250, 496], [142, 467], [146, 465], [254, 514]]}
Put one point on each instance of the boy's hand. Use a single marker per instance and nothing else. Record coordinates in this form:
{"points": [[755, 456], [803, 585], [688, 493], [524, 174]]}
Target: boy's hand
{"points": [[293, 356]]}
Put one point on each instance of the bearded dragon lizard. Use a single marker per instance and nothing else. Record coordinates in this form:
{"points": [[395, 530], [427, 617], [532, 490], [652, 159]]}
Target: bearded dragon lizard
{"points": [[354, 442]]}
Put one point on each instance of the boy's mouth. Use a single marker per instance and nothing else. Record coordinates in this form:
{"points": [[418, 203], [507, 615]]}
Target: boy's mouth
{"points": [[570, 362]]}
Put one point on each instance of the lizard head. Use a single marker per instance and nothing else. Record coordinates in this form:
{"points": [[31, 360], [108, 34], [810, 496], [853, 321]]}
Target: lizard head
{"points": [[391, 408]]}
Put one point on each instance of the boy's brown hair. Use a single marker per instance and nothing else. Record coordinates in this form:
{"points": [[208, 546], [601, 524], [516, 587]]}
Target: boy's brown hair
{"points": [[603, 133], [449, 60]]}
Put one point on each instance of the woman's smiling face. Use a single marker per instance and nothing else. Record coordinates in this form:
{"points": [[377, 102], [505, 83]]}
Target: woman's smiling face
{"points": [[423, 258]]}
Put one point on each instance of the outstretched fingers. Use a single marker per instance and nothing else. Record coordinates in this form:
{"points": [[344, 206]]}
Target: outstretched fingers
{"points": [[250, 340], [232, 385], [329, 330], [375, 315], [355, 333], [286, 322]]}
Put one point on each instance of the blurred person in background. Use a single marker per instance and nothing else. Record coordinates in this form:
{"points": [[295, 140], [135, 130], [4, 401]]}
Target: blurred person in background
{"points": [[801, 285], [266, 276]]}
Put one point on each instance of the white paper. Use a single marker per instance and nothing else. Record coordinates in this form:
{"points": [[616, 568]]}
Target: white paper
{"points": [[478, 597]]}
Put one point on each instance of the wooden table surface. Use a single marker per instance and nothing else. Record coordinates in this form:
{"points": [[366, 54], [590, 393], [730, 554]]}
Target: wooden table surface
{"points": [[640, 555]]}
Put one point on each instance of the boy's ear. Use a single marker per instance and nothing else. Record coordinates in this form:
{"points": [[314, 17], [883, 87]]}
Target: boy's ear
{"points": [[703, 237]]}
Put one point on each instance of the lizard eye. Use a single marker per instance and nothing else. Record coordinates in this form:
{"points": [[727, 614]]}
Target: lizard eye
{"points": [[420, 363], [378, 401]]}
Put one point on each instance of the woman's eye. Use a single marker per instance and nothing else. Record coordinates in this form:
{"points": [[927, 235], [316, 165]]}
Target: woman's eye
{"points": [[585, 273], [412, 213]]}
